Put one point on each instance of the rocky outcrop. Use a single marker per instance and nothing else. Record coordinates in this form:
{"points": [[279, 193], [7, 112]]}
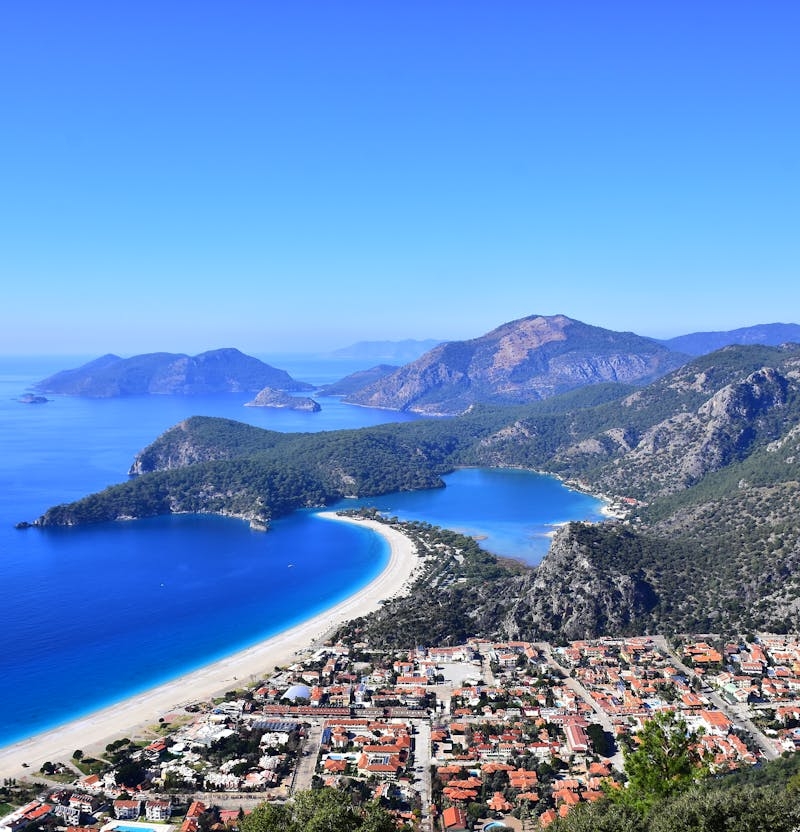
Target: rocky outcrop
{"points": [[521, 361], [199, 440], [680, 450], [577, 593], [217, 371], [269, 397]]}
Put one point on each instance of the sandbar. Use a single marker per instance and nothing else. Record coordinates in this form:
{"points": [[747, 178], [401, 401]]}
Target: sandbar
{"points": [[130, 716]]}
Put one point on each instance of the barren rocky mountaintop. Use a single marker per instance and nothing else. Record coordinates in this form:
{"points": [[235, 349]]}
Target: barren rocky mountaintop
{"points": [[521, 361]]}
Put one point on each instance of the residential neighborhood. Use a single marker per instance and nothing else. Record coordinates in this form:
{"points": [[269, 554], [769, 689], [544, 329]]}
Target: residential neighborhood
{"points": [[445, 737]]}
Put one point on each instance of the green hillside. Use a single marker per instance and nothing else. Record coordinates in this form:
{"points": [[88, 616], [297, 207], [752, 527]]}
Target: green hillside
{"points": [[707, 458]]}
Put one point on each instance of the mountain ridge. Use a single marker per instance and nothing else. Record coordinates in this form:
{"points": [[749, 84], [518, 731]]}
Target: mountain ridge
{"points": [[519, 361], [224, 370], [716, 547], [702, 343], [394, 352]]}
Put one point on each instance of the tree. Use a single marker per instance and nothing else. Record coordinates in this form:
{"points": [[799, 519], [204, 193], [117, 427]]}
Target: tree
{"points": [[601, 817], [130, 773], [377, 819], [769, 809], [602, 741], [666, 761], [321, 810], [267, 817]]}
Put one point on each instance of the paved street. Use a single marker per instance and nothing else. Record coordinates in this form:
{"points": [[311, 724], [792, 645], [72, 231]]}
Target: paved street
{"points": [[736, 713], [422, 773], [308, 758], [574, 685]]}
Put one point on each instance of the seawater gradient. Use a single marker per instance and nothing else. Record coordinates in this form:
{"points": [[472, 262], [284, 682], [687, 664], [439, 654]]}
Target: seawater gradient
{"points": [[92, 615]]}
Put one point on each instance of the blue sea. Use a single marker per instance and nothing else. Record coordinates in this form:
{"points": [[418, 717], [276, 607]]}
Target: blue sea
{"points": [[95, 614]]}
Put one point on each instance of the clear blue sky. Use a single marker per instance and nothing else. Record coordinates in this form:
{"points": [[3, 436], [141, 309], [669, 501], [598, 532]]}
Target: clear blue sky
{"points": [[284, 176]]}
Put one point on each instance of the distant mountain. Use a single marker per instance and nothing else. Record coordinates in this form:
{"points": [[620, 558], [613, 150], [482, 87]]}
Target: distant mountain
{"points": [[395, 352], [521, 361], [356, 381], [701, 343], [217, 371]]}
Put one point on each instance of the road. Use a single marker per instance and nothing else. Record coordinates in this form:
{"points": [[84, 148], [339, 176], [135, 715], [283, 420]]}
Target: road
{"points": [[617, 761], [422, 769], [304, 771], [736, 713]]}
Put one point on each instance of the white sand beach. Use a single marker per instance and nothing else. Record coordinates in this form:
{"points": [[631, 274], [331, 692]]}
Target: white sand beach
{"points": [[233, 672]]}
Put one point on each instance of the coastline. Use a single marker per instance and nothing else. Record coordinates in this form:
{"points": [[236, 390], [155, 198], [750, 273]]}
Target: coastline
{"points": [[232, 672]]}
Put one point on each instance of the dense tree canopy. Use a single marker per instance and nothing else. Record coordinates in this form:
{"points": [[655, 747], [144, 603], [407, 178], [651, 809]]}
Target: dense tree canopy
{"points": [[323, 810], [665, 762]]}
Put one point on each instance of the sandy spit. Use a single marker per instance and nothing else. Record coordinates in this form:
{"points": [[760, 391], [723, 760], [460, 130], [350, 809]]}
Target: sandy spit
{"points": [[132, 716]]}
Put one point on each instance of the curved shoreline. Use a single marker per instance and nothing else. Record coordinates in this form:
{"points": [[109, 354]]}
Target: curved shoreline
{"points": [[138, 712]]}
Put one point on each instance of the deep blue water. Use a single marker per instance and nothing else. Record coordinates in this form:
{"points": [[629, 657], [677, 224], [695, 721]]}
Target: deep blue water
{"points": [[92, 615]]}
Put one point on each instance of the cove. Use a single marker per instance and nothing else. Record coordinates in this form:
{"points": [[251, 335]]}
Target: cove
{"points": [[513, 513]]}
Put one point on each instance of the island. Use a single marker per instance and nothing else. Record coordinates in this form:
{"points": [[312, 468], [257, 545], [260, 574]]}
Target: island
{"points": [[270, 397], [224, 370], [32, 398]]}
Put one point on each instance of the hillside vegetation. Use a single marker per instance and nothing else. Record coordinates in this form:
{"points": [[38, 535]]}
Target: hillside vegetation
{"points": [[707, 458]]}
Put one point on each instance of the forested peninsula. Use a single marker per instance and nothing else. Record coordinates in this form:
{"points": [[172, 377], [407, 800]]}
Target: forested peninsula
{"points": [[707, 459]]}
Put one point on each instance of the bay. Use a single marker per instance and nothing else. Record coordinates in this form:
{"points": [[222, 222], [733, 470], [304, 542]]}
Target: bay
{"points": [[95, 614], [512, 513]]}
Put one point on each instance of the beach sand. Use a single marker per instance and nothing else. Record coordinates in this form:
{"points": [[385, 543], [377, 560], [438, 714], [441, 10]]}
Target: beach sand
{"points": [[127, 718]]}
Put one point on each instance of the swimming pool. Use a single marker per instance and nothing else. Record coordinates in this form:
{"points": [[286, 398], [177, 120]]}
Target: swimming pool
{"points": [[133, 826]]}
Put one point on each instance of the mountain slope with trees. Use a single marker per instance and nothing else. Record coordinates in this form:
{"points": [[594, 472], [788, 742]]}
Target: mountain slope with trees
{"points": [[707, 459]]}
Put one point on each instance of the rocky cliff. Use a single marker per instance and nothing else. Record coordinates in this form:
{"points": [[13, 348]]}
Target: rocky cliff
{"points": [[679, 450], [520, 361], [578, 593], [199, 439]]}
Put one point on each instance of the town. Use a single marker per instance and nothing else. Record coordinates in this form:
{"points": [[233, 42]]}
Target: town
{"points": [[482, 735]]}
